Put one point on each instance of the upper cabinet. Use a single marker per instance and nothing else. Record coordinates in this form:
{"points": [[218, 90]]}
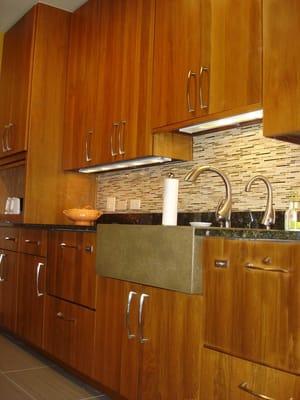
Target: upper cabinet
{"points": [[108, 112], [281, 69], [15, 85], [207, 59]]}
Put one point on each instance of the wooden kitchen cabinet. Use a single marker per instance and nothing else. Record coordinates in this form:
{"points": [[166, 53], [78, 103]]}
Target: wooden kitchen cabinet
{"points": [[139, 351], [33, 241], [71, 272], [15, 83], [8, 289], [253, 303], [31, 298], [69, 334], [228, 378], [9, 238], [205, 61], [281, 62]]}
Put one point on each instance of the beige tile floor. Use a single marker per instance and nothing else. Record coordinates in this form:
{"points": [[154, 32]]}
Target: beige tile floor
{"points": [[25, 375]]}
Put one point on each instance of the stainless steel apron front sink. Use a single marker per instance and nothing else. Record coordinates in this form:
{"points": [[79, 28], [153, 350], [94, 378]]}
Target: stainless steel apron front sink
{"points": [[168, 257]]}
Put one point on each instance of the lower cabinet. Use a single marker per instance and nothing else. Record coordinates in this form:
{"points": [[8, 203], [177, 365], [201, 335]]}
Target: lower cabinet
{"points": [[230, 378], [148, 341], [8, 289], [69, 334], [31, 298]]}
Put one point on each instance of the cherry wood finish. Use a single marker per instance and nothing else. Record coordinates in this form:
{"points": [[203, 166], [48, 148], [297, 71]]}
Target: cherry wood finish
{"points": [[8, 289], [69, 334], [281, 25], [171, 325], [71, 273], [181, 32], [251, 313], [33, 241], [224, 374], [9, 238], [235, 54], [82, 76], [31, 298], [15, 84]]}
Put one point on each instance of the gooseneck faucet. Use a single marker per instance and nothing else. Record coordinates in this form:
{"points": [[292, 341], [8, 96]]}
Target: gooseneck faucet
{"points": [[223, 211], [268, 218]]}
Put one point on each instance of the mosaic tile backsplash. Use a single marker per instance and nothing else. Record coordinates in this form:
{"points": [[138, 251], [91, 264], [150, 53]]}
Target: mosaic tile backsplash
{"points": [[240, 153]]}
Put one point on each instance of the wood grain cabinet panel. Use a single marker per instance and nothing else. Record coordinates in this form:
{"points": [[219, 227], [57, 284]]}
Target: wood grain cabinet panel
{"points": [[142, 334], [69, 334], [253, 305], [281, 66], [228, 378], [8, 289], [9, 238], [33, 241], [15, 85], [31, 298], [71, 272]]}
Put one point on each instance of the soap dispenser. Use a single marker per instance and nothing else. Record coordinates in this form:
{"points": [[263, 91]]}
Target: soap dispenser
{"points": [[292, 214]]}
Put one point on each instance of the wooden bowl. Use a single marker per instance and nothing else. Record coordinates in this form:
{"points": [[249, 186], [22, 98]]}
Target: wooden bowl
{"points": [[82, 216]]}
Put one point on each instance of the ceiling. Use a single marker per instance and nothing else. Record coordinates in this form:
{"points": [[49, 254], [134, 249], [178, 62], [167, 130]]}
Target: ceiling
{"points": [[12, 10]]}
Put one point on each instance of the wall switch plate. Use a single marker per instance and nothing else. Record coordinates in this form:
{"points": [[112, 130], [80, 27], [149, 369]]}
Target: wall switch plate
{"points": [[122, 205], [135, 204], [110, 204]]}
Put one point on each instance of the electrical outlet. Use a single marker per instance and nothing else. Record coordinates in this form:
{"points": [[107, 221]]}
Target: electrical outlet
{"points": [[122, 205], [110, 204], [135, 204]]}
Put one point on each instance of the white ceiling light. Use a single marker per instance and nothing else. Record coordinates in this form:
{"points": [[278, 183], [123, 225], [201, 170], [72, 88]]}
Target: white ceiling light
{"points": [[139, 162], [223, 122]]}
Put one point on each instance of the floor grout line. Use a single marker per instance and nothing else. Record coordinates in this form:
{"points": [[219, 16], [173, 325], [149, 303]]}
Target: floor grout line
{"points": [[12, 371], [19, 387]]}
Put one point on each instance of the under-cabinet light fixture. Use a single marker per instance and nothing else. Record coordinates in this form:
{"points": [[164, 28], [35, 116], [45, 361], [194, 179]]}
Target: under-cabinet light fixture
{"points": [[223, 122], [138, 162]]}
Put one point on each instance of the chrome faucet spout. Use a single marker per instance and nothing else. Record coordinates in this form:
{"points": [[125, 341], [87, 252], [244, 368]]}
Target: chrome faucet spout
{"points": [[268, 218], [223, 211]]}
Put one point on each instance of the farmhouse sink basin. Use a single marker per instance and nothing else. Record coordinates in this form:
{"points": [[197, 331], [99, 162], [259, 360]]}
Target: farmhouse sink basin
{"points": [[167, 257]]}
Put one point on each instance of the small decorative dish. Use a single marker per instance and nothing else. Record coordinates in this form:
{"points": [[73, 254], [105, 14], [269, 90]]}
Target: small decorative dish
{"points": [[197, 224], [82, 216]]}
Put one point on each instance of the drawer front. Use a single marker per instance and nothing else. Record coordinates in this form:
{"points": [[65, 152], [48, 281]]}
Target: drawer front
{"points": [[9, 238], [34, 242], [228, 378], [71, 273], [69, 334], [252, 300]]}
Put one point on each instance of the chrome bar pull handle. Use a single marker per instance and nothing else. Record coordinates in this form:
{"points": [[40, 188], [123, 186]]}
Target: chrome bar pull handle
{"points": [[251, 266], [7, 137], [121, 137], [29, 241], [4, 149], [191, 75], [88, 141], [131, 294], [38, 270], [113, 139], [2, 255], [65, 245], [140, 320], [221, 263], [203, 70], [10, 238], [244, 386]]}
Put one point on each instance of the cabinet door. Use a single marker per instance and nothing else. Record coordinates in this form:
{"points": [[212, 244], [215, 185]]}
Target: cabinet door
{"points": [[235, 54], [83, 72], [21, 38], [33, 241], [228, 378], [181, 32], [71, 273], [170, 349], [31, 292], [69, 334], [252, 306], [8, 289], [281, 63]]}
